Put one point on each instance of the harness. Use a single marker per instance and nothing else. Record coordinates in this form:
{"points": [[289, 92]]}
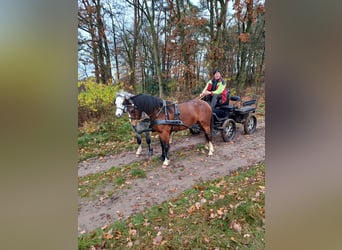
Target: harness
{"points": [[146, 124], [176, 121]]}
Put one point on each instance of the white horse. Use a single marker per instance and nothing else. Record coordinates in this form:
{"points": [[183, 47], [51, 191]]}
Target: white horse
{"points": [[121, 109]]}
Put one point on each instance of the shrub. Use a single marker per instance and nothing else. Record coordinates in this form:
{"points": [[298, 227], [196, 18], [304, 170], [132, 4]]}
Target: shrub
{"points": [[96, 96], [95, 100]]}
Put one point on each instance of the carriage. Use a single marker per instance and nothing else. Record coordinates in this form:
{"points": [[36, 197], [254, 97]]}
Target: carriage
{"points": [[226, 117]]}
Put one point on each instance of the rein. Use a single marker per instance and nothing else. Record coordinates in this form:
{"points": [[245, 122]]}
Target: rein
{"points": [[134, 108], [165, 110], [175, 122]]}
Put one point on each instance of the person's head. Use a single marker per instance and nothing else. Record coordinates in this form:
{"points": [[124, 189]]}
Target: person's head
{"points": [[217, 74]]}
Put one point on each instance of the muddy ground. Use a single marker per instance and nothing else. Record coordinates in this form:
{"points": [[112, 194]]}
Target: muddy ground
{"points": [[164, 183]]}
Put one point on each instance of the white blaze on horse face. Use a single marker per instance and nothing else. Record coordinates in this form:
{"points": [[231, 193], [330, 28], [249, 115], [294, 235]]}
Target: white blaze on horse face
{"points": [[119, 106]]}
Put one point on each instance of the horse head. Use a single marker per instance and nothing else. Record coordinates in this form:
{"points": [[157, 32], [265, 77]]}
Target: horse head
{"points": [[122, 98]]}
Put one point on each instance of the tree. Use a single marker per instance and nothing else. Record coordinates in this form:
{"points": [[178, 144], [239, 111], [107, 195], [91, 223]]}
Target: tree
{"points": [[168, 47], [250, 43], [91, 21]]}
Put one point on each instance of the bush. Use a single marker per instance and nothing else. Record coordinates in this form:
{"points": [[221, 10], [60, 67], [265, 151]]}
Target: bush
{"points": [[95, 100], [96, 96]]}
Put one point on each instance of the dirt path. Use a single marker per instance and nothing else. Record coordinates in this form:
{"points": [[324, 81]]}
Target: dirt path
{"points": [[163, 184]]}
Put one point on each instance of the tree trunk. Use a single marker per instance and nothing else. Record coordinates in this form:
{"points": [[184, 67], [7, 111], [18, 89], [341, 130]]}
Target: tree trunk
{"points": [[155, 45]]}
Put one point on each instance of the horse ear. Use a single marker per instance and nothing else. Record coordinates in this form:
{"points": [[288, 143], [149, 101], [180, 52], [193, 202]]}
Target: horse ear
{"points": [[128, 101]]}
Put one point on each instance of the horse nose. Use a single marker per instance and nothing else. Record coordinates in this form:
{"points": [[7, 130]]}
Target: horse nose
{"points": [[118, 114]]}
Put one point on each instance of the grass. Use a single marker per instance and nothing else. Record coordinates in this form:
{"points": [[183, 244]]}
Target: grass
{"points": [[109, 138], [226, 213], [94, 184], [137, 172]]}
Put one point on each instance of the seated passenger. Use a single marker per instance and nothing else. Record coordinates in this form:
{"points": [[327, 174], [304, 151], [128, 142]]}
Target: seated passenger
{"points": [[215, 92]]}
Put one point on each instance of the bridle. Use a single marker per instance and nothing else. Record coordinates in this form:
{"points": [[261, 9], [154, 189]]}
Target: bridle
{"points": [[132, 111]]}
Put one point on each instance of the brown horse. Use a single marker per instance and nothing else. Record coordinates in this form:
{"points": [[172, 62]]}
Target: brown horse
{"points": [[167, 117]]}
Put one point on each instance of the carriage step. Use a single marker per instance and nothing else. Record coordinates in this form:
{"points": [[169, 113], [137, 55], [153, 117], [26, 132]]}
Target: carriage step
{"points": [[245, 110]]}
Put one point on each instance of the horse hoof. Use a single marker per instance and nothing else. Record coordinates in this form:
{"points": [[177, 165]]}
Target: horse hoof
{"points": [[166, 163], [162, 158]]}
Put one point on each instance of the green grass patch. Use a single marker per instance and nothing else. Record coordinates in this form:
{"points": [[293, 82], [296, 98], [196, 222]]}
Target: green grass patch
{"points": [[94, 184], [137, 172], [226, 213], [120, 180], [106, 138]]}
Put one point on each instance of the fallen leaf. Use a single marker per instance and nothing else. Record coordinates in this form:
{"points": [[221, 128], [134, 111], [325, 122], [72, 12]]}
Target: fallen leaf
{"points": [[132, 232], [158, 239], [233, 239], [118, 235], [108, 236], [170, 211], [219, 211], [203, 200], [192, 209], [146, 223], [236, 226], [172, 205]]}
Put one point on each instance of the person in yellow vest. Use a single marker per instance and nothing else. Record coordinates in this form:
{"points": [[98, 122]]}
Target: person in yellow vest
{"points": [[215, 92]]}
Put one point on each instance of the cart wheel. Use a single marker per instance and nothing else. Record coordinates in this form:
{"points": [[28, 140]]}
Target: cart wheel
{"points": [[228, 130], [250, 124], [195, 129]]}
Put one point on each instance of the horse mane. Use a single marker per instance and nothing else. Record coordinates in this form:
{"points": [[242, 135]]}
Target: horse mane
{"points": [[124, 94], [147, 103]]}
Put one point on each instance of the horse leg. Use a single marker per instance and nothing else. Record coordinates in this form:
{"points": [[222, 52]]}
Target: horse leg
{"points": [[208, 136], [162, 157], [165, 142], [148, 141], [171, 135], [138, 136]]}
